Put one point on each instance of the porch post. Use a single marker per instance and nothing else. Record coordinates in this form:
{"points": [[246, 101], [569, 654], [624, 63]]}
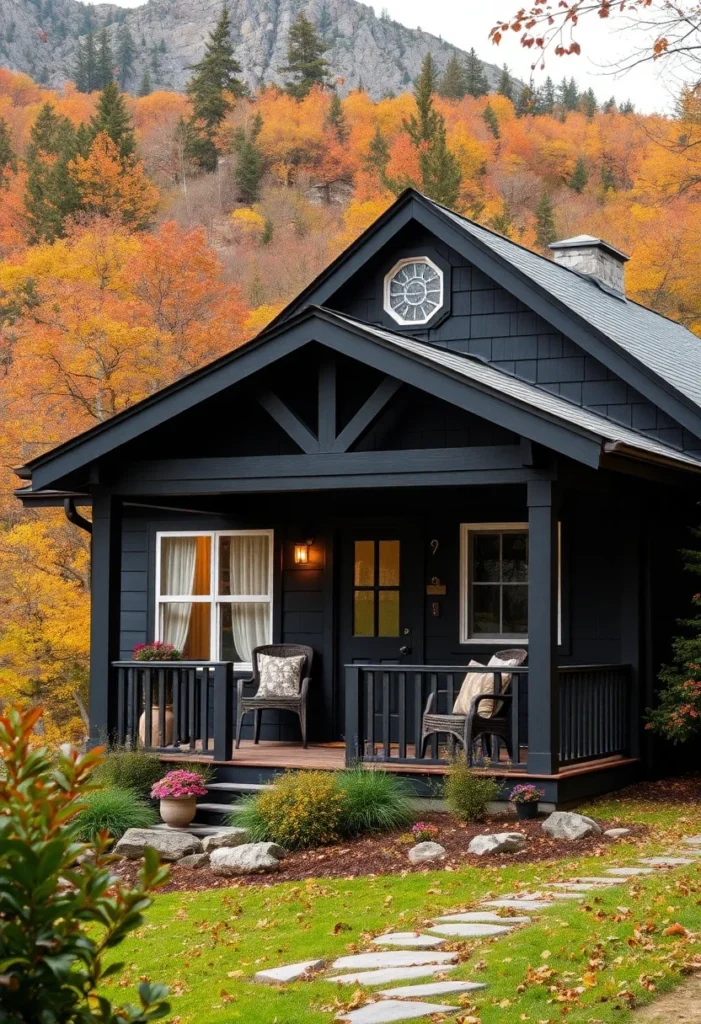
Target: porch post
{"points": [[543, 680], [104, 614]]}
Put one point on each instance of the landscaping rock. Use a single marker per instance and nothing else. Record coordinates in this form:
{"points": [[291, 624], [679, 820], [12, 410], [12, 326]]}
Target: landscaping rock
{"points": [[691, 840], [392, 1010], [290, 972], [221, 840], [194, 860], [386, 974], [666, 862], [567, 825], [410, 939], [422, 853], [168, 845], [616, 833], [497, 842], [431, 988], [250, 858]]}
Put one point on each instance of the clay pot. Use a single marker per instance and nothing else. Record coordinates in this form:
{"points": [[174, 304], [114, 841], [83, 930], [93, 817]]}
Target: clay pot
{"points": [[178, 813], [155, 726]]}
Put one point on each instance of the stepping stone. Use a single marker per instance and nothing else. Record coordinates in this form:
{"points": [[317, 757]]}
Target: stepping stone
{"points": [[664, 862], [630, 872], [387, 974], [291, 972], [597, 880], [617, 833], [392, 958], [470, 930], [431, 988], [484, 918], [692, 841], [520, 904], [575, 886], [407, 939], [570, 895], [393, 1009], [690, 851]]}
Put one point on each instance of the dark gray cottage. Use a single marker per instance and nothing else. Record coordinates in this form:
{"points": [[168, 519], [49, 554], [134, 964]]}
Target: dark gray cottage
{"points": [[446, 446]]}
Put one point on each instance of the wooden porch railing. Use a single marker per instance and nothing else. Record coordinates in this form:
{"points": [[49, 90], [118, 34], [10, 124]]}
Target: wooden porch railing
{"points": [[595, 710], [191, 702]]}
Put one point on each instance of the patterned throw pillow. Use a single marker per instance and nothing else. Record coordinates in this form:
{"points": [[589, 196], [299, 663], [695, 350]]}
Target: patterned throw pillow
{"points": [[279, 677], [483, 682]]}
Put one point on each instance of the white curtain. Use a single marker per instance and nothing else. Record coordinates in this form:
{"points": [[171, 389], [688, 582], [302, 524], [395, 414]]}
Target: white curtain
{"points": [[249, 565], [178, 557]]}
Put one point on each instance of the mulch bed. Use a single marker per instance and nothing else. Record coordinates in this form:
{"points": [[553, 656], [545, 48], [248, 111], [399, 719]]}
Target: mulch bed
{"points": [[386, 854]]}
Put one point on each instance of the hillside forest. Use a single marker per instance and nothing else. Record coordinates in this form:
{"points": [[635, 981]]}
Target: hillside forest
{"points": [[142, 236]]}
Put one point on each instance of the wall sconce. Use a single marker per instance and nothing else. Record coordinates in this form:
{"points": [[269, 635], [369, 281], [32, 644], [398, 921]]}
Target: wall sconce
{"points": [[302, 551]]}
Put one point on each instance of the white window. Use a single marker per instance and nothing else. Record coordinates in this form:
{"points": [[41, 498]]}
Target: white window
{"points": [[214, 593], [413, 290]]}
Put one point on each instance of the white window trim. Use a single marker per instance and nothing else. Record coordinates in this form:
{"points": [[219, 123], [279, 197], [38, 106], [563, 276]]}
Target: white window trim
{"points": [[388, 278], [214, 599], [466, 530]]}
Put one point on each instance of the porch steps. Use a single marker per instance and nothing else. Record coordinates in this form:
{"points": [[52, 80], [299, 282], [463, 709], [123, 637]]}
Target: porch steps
{"points": [[236, 787], [224, 799]]}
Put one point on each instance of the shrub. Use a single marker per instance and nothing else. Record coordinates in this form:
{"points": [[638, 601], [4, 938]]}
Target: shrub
{"points": [[466, 792], [302, 809], [373, 801], [157, 651], [125, 768], [113, 811], [53, 937]]}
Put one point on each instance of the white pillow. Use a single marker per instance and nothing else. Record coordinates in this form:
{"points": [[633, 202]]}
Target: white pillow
{"points": [[279, 677], [472, 684]]}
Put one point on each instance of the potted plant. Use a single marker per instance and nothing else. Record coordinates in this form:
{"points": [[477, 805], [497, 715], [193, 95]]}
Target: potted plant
{"points": [[526, 798], [178, 792], [157, 651]]}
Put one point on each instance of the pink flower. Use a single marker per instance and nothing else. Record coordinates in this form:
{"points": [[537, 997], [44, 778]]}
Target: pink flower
{"points": [[179, 785]]}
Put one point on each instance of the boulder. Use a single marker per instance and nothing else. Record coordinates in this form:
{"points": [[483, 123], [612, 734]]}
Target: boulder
{"points": [[567, 825], [232, 837], [422, 853], [616, 833], [194, 860], [497, 842], [247, 859], [168, 845]]}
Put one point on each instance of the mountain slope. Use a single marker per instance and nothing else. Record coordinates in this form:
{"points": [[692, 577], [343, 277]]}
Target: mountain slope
{"points": [[39, 37]]}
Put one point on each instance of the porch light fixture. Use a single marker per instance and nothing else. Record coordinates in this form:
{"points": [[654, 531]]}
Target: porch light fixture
{"points": [[302, 551]]}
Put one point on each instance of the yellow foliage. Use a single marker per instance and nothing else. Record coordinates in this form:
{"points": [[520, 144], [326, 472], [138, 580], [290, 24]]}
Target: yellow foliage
{"points": [[259, 318], [248, 223]]}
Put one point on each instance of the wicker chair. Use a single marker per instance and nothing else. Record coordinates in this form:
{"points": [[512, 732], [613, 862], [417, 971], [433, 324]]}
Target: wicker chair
{"points": [[467, 729], [257, 704]]}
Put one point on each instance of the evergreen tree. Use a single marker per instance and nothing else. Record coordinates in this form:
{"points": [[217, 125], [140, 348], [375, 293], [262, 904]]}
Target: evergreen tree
{"points": [[440, 173], [306, 65], [112, 117], [610, 106], [378, 154], [545, 229], [526, 102], [51, 194], [589, 103], [568, 94], [80, 73], [8, 159], [627, 108], [125, 55], [545, 97], [608, 178], [268, 232], [490, 119], [214, 77], [505, 86], [337, 119], [452, 85], [105, 62], [145, 88], [250, 166], [476, 83], [90, 63], [580, 176]]}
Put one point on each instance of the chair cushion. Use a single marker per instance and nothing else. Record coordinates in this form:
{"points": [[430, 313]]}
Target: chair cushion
{"points": [[482, 682], [279, 677]]}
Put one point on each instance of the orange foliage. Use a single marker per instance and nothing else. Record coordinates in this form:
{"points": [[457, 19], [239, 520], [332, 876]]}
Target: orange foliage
{"points": [[112, 187]]}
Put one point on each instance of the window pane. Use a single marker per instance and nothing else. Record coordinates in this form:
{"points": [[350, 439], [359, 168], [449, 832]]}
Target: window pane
{"points": [[387, 612], [185, 566], [389, 564], [364, 565], [485, 610], [515, 610], [514, 564], [186, 627], [244, 564], [363, 613], [485, 557], [241, 628]]}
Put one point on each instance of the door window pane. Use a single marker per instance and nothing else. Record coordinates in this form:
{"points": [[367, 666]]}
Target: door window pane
{"points": [[364, 563], [363, 613], [389, 563], [241, 628], [388, 613], [485, 610], [485, 557]]}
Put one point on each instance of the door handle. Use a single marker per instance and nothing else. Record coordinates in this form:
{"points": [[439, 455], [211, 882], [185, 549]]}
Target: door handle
{"points": [[405, 650]]}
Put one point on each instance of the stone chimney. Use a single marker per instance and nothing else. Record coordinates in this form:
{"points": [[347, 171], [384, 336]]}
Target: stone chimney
{"points": [[595, 258]]}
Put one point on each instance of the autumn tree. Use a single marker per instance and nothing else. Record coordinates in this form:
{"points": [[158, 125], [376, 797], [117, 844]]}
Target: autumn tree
{"points": [[452, 85], [476, 83], [305, 65], [51, 193], [213, 85], [113, 186], [112, 118], [545, 228], [440, 174]]}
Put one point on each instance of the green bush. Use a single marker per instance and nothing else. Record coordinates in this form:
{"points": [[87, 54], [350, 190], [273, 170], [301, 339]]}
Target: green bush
{"points": [[467, 792], [203, 768], [302, 809], [373, 801], [129, 768], [113, 811]]}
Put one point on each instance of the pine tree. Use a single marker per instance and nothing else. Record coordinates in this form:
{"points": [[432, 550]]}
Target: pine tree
{"points": [[627, 108], [81, 72], [90, 63], [378, 154], [8, 159], [608, 178], [588, 103], [268, 232], [476, 83], [453, 85], [336, 119], [51, 193], [610, 106], [440, 172], [250, 165], [568, 94], [545, 229], [105, 61], [145, 88], [112, 118], [490, 119], [545, 97], [306, 65], [125, 55], [580, 176], [214, 77], [526, 102], [505, 86]]}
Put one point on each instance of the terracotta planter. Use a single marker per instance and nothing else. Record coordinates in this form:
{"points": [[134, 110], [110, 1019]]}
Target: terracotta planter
{"points": [[178, 813], [526, 811], [155, 726]]}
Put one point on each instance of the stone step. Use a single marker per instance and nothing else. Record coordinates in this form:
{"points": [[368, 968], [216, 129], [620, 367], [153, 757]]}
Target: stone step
{"points": [[483, 917], [407, 939], [238, 787], [195, 829], [384, 975], [431, 988], [519, 904], [391, 958], [469, 929], [393, 1010], [630, 872], [666, 862], [290, 972], [216, 808]]}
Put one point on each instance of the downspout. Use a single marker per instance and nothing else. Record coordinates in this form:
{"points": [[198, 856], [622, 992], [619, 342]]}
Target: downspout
{"points": [[74, 516]]}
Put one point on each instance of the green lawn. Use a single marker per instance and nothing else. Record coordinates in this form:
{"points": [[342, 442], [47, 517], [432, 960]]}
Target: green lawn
{"points": [[612, 948]]}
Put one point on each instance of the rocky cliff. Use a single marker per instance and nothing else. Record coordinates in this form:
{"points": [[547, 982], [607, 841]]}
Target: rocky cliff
{"points": [[40, 36]]}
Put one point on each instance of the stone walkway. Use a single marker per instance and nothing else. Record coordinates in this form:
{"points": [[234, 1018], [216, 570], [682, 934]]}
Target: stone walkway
{"points": [[411, 956]]}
